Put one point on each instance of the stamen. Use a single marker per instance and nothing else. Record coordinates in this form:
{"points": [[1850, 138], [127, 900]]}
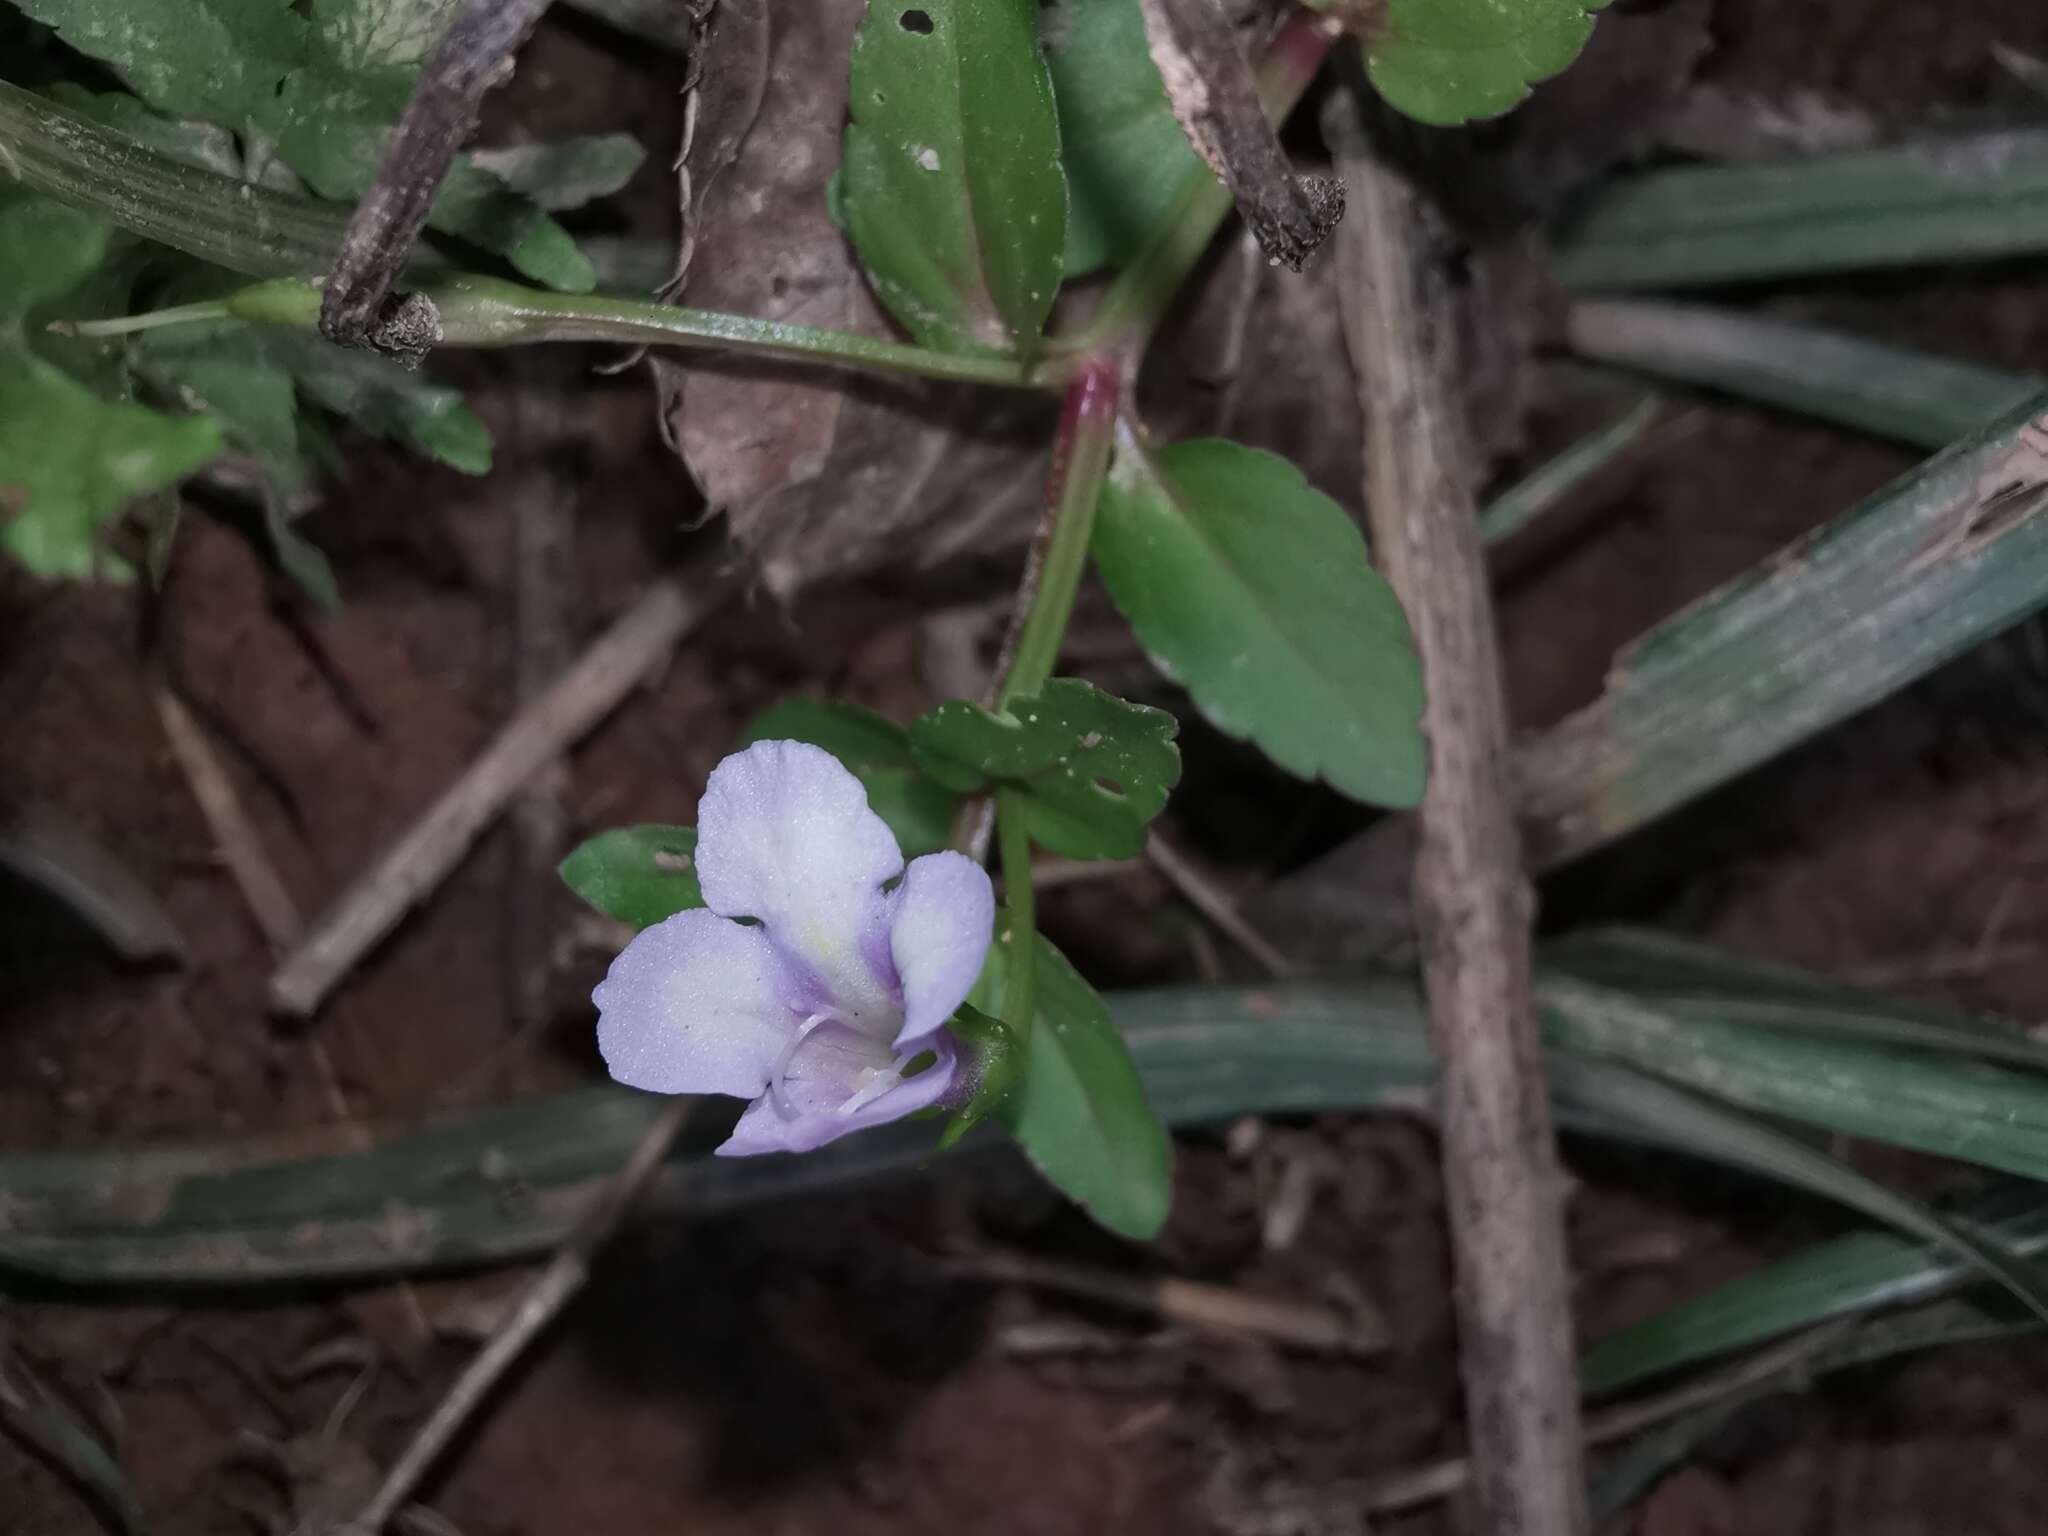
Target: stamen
{"points": [[880, 1081], [778, 1094]]}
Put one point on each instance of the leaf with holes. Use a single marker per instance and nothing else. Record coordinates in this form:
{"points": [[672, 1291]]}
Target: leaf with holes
{"points": [[875, 750], [1078, 1108], [1125, 156], [953, 189], [1449, 61], [637, 875], [1094, 769], [1253, 591]]}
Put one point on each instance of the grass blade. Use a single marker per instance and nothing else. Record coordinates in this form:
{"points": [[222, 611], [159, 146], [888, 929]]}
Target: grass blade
{"points": [[234, 224], [1969, 197], [1529, 498], [1695, 981], [506, 1182], [1669, 1117], [1893, 392], [1862, 1272], [1951, 1107], [1941, 559]]}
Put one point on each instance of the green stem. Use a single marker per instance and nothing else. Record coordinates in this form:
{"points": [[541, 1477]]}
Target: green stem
{"points": [[1139, 298], [1013, 837], [1080, 462], [483, 312]]}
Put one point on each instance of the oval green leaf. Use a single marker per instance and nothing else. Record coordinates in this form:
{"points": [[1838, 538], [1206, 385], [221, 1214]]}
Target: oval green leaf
{"points": [[953, 189], [1079, 1110], [1253, 591], [637, 875], [1448, 61], [1125, 156], [1093, 769]]}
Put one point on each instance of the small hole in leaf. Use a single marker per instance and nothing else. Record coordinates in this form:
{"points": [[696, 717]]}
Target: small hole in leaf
{"points": [[1109, 786], [669, 862], [919, 22]]}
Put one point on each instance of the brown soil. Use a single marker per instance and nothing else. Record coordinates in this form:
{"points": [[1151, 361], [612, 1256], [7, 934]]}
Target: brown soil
{"points": [[809, 1368]]}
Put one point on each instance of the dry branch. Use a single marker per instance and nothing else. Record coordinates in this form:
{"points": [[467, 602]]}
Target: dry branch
{"points": [[424, 855], [472, 56], [1471, 894]]}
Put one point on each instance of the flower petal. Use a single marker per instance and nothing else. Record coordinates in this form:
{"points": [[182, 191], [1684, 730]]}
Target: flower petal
{"points": [[817, 1099], [941, 921], [695, 1004], [784, 834]]}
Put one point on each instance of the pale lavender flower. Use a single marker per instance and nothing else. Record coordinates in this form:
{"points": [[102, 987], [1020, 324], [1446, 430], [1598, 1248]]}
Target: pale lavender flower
{"points": [[818, 1010]]}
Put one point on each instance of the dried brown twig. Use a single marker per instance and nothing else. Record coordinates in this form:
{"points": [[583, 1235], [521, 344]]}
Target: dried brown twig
{"points": [[543, 1302], [424, 855], [1210, 87], [1471, 894], [473, 55]]}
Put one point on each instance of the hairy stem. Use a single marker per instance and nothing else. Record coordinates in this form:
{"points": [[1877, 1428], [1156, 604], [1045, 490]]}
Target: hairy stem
{"points": [[1052, 574]]}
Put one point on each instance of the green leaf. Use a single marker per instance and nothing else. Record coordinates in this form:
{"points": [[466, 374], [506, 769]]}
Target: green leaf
{"points": [[384, 397], [1448, 61], [954, 193], [1933, 201], [1094, 769], [637, 875], [1664, 1114], [1253, 591], [1079, 1110], [324, 84], [875, 750], [69, 461], [567, 173], [1124, 154]]}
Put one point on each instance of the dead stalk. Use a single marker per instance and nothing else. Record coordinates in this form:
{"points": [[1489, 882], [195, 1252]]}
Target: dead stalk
{"points": [[1471, 895], [425, 854]]}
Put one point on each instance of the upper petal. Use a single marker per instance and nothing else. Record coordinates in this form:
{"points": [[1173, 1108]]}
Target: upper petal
{"points": [[816, 1101], [695, 1004], [784, 834], [941, 922]]}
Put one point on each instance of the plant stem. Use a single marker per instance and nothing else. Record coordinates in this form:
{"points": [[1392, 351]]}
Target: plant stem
{"points": [[1139, 298], [484, 312], [1052, 576], [1013, 836]]}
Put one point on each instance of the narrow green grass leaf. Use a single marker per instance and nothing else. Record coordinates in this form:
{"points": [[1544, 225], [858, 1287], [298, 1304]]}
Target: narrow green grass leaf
{"points": [[1950, 1106], [1549, 483], [1938, 561], [1895, 392], [1254, 591], [1862, 1272], [1691, 980], [1945, 200], [313, 1206], [217, 218], [953, 189], [1670, 1117]]}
